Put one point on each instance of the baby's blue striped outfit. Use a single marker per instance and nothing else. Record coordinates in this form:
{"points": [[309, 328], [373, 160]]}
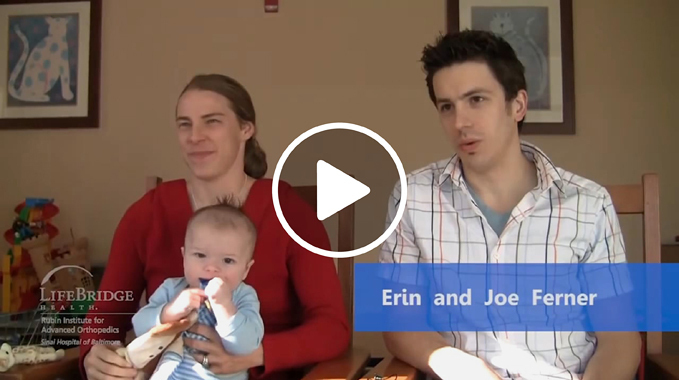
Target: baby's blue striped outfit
{"points": [[241, 335]]}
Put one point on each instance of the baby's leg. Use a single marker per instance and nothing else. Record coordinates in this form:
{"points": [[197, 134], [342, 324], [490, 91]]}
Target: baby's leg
{"points": [[169, 360]]}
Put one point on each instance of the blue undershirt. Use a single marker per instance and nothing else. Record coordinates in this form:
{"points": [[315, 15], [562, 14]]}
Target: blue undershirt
{"points": [[496, 220]]}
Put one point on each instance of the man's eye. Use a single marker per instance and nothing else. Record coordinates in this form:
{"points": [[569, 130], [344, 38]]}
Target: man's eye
{"points": [[445, 107]]}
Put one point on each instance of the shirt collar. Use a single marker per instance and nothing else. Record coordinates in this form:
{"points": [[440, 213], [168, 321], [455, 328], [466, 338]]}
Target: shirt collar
{"points": [[548, 175]]}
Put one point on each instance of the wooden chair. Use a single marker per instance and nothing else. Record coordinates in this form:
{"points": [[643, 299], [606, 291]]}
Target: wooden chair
{"points": [[351, 365], [636, 199]]}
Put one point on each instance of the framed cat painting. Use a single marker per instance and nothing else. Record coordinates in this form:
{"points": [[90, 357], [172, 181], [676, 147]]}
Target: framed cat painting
{"points": [[49, 64]]}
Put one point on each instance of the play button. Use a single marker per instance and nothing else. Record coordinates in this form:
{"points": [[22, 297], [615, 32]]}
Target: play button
{"points": [[348, 164], [335, 190]]}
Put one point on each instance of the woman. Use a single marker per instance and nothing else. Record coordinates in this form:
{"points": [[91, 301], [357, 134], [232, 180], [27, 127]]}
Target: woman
{"points": [[299, 291]]}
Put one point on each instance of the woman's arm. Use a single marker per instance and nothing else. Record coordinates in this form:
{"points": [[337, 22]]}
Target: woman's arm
{"points": [[324, 332], [124, 279]]}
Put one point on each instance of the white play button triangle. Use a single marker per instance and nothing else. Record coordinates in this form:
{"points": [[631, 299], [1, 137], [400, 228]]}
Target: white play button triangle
{"points": [[335, 190]]}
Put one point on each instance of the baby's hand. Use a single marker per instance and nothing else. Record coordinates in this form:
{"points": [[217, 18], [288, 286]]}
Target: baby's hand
{"points": [[218, 292], [220, 296], [182, 305]]}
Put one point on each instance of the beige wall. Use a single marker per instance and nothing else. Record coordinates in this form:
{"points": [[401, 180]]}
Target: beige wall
{"points": [[322, 61]]}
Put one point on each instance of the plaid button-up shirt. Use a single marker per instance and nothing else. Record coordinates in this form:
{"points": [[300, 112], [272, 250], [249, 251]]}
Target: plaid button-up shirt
{"points": [[565, 219]]}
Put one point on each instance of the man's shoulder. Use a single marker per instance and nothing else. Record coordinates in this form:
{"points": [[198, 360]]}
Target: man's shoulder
{"points": [[425, 176], [577, 185], [431, 171]]}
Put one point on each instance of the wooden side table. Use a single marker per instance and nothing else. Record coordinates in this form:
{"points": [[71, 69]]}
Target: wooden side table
{"points": [[64, 369]]}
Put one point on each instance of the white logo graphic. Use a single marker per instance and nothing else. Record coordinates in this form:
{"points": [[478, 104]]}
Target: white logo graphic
{"points": [[335, 190], [80, 293], [329, 204], [50, 273]]}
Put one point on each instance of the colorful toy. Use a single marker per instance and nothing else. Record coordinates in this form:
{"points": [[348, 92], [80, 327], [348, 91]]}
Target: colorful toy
{"points": [[31, 269], [30, 255]]}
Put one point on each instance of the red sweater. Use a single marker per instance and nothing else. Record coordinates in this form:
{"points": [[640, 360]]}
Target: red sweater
{"points": [[300, 294]]}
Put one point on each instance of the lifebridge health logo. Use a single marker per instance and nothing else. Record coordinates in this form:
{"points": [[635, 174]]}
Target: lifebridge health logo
{"points": [[78, 297], [64, 310]]}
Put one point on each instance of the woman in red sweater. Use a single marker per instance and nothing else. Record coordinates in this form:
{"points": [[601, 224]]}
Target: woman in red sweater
{"points": [[301, 300]]}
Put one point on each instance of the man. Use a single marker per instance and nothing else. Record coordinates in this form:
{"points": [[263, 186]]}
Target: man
{"points": [[501, 200]]}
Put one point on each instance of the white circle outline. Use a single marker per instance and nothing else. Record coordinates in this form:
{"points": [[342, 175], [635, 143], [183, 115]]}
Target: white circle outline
{"points": [[323, 128]]}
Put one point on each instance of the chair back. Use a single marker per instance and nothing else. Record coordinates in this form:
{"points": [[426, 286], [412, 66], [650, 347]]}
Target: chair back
{"points": [[643, 199], [345, 242]]}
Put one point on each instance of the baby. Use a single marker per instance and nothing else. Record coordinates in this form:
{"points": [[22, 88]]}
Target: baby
{"points": [[218, 250]]}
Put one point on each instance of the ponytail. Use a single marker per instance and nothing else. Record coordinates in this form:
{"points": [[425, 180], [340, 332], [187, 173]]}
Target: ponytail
{"points": [[255, 159]]}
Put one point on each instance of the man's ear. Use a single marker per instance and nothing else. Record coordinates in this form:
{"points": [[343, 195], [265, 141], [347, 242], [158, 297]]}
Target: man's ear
{"points": [[520, 106]]}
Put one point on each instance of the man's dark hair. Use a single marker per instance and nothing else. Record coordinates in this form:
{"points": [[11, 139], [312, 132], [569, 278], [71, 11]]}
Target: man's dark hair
{"points": [[479, 46]]}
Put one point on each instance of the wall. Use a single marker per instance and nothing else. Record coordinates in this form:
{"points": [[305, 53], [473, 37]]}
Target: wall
{"points": [[322, 61]]}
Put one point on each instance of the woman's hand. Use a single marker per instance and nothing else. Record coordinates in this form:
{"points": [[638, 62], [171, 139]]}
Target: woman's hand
{"points": [[102, 363], [221, 362]]}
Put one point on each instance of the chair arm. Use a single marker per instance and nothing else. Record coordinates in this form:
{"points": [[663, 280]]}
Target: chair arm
{"points": [[662, 366], [349, 366], [391, 368]]}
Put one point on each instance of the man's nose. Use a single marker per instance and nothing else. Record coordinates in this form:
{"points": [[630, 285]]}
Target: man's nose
{"points": [[461, 119]]}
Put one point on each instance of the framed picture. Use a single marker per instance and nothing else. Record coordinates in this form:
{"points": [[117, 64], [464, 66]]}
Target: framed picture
{"points": [[49, 64], [541, 33]]}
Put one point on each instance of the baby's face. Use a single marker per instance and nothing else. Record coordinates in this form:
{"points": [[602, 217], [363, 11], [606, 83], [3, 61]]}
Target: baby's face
{"points": [[210, 252]]}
